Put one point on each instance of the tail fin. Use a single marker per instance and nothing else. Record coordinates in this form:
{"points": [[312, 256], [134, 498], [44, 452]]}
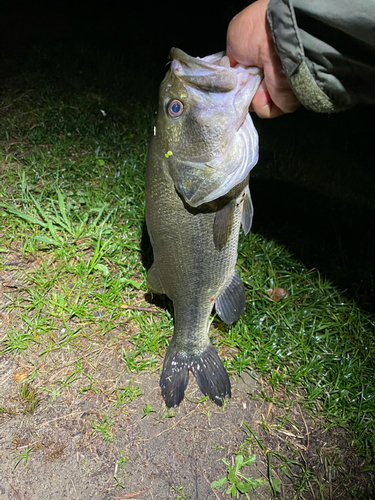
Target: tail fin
{"points": [[207, 367]]}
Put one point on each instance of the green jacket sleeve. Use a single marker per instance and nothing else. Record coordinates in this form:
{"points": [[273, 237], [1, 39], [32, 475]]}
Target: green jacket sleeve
{"points": [[327, 49]]}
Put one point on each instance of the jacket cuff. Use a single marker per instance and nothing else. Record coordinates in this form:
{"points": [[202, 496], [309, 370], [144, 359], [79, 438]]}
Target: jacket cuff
{"points": [[282, 20]]}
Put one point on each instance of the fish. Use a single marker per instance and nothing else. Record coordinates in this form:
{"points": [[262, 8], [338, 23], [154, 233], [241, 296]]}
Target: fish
{"points": [[203, 146]]}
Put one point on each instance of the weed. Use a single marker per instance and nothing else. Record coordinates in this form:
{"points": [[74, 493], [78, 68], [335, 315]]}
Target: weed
{"points": [[167, 414], [17, 340], [301, 481], [118, 483], [147, 409], [103, 427], [120, 464], [179, 492], [24, 456], [199, 400], [238, 482], [123, 459], [127, 394], [55, 393], [29, 397], [87, 467], [7, 411]]}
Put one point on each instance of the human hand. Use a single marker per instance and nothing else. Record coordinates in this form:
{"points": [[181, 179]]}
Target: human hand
{"points": [[249, 42]]}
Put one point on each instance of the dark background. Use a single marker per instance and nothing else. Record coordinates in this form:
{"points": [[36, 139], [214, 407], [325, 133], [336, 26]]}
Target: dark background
{"points": [[142, 28], [314, 186]]}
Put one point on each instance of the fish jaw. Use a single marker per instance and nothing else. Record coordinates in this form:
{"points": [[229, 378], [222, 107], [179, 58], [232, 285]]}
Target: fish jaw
{"points": [[201, 183]]}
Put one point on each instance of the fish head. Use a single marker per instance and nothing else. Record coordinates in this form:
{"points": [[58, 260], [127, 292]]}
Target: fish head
{"points": [[204, 125]]}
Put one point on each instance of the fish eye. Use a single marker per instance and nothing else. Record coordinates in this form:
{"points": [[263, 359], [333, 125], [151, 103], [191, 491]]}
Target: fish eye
{"points": [[175, 108]]}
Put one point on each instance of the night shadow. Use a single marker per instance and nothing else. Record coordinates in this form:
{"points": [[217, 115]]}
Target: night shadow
{"points": [[314, 191], [336, 238], [147, 258]]}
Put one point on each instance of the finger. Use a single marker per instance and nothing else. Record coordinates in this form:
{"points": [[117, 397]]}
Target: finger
{"points": [[262, 96], [232, 60], [265, 107], [262, 103], [269, 110]]}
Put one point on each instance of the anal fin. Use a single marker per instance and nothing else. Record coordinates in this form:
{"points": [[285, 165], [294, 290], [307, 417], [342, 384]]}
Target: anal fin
{"points": [[154, 283], [223, 224], [231, 303], [247, 212]]}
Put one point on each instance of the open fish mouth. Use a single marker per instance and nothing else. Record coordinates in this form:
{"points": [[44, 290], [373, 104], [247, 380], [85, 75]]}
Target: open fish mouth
{"points": [[212, 72]]}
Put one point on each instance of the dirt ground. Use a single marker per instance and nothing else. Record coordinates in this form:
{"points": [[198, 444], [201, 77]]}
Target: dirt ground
{"points": [[70, 461], [76, 444]]}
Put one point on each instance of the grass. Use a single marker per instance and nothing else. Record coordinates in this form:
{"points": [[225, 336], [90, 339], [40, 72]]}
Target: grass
{"points": [[29, 398], [120, 470], [127, 394], [313, 339], [179, 492], [300, 481], [24, 457], [72, 164]]}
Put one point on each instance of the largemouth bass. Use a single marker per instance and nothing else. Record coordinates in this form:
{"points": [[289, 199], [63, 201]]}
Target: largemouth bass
{"points": [[197, 194]]}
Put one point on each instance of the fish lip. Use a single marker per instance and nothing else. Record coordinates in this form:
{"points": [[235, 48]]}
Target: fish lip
{"points": [[242, 122], [202, 74], [180, 55]]}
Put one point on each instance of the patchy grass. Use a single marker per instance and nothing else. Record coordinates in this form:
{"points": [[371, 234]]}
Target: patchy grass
{"points": [[313, 339], [73, 264]]}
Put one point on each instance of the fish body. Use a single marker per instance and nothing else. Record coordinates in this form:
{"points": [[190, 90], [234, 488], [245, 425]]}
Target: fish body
{"points": [[197, 195]]}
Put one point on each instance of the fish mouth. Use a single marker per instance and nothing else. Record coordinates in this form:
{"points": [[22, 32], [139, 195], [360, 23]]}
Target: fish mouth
{"points": [[212, 73], [202, 74], [209, 62]]}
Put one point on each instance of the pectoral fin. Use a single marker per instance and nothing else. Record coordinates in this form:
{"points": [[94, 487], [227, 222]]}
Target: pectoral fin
{"points": [[231, 303], [247, 212], [223, 224]]}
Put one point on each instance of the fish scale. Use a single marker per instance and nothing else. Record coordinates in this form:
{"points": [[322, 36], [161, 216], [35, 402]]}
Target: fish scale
{"points": [[195, 247]]}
